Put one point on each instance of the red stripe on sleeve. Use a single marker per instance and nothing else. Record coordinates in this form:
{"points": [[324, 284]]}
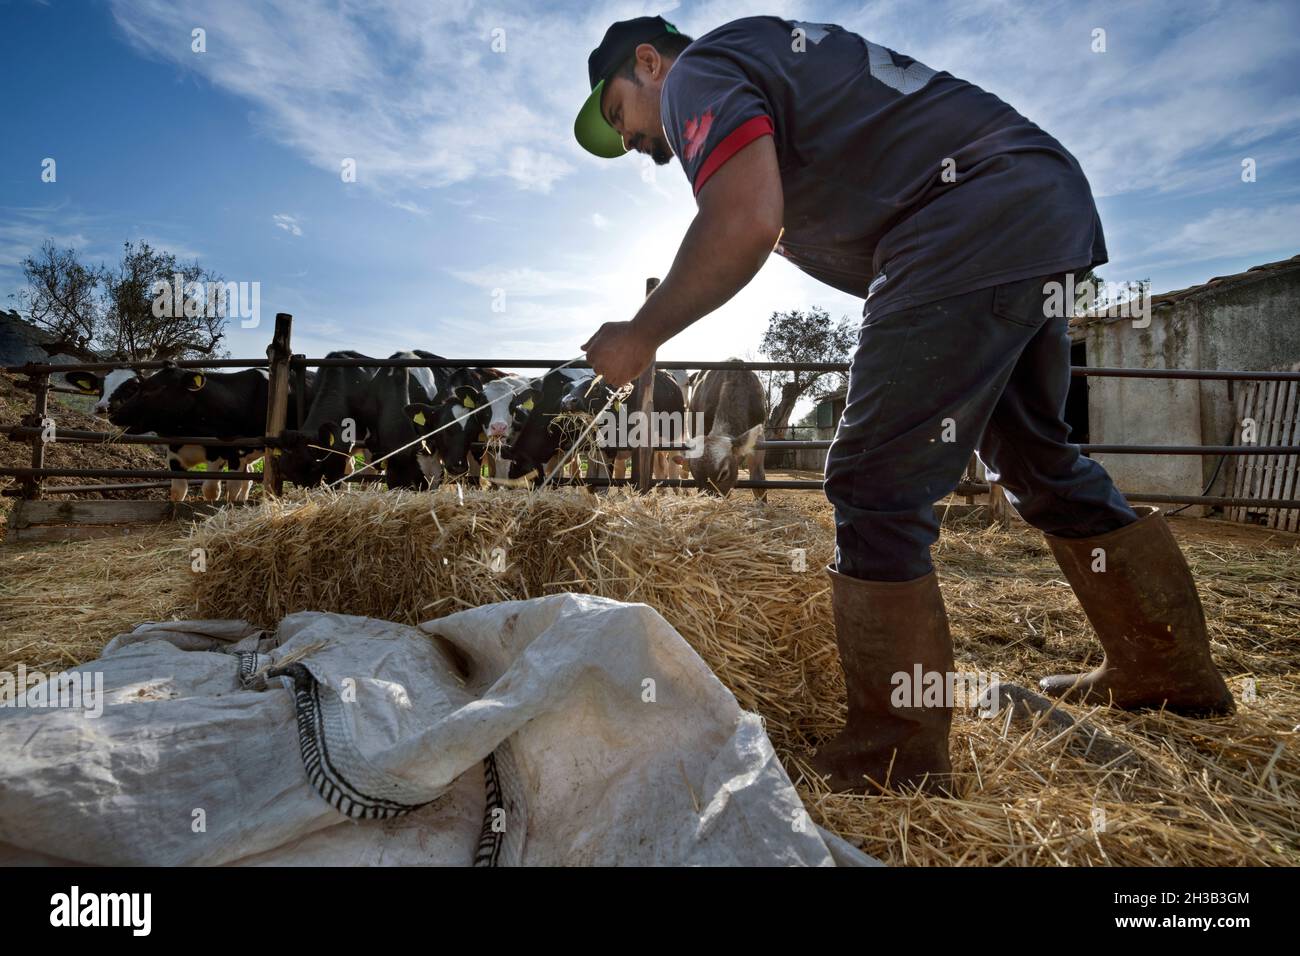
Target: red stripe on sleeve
{"points": [[738, 138]]}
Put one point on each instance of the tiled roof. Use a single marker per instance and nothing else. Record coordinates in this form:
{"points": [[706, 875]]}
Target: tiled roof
{"points": [[1218, 283], [1165, 299]]}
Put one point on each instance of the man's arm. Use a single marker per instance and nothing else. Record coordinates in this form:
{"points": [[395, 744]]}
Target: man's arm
{"points": [[741, 208]]}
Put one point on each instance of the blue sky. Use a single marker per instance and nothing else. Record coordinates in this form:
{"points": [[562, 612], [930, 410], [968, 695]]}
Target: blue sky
{"points": [[469, 181]]}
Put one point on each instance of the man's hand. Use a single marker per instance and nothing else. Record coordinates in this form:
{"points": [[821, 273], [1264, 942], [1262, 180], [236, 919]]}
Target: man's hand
{"points": [[738, 223], [619, 353]]}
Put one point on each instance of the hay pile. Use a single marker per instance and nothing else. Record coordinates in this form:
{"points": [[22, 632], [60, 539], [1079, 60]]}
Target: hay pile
{"points": [[1218, 792]]}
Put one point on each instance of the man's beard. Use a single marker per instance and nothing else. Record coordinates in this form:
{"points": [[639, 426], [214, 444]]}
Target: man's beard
{"points": [[660, 151]]}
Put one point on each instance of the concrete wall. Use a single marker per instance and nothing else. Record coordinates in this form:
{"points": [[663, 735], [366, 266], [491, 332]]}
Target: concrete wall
{"points": [[1246, 322], [1146, 411]]}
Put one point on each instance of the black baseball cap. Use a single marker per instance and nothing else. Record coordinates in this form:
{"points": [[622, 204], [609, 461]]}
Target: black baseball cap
{"points": [[621, 41]]}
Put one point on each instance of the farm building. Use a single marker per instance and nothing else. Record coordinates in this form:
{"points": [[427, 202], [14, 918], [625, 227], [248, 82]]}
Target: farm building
{"points": [[1245, 321], [826, 413]]}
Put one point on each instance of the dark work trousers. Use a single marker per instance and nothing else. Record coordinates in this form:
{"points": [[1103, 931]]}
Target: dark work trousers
{"points": [[984, 372]]}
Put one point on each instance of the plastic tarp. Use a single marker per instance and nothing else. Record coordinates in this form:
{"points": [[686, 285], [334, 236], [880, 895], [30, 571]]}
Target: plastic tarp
{"points": [[565, 730]]}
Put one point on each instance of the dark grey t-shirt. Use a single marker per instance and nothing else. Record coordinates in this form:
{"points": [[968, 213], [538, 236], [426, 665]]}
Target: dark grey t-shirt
{"points": [[900, 182]]}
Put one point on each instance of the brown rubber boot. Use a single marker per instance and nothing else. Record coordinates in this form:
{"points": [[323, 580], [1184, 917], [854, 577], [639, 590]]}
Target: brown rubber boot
{"points": [[884, 628], [1148, 617]]}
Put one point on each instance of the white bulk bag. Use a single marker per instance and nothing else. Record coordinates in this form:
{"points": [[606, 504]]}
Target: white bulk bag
{"points": [[564, 730]]}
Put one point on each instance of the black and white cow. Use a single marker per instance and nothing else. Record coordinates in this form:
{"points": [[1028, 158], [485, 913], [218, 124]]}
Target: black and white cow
{"points": [[364, 404], [180, 401], [316, 452], [500, 424], [389, 428], [541, 439], [591, 397], [732, 407], [586, 397], [538, 437], [472, 425], [669, 425]]}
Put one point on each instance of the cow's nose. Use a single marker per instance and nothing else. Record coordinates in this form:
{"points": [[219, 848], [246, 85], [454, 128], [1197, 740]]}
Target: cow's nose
{"points": [[497, 429]]}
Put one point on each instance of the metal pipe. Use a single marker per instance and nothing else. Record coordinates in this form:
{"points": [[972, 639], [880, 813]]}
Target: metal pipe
{"points": [[74, 435], [34, 369], [1111, 449], [130, 473], [1285, 450], [1101, 372], [87, 489], [261, 441], [786, 484], [1284, 503], [1187, 373]]}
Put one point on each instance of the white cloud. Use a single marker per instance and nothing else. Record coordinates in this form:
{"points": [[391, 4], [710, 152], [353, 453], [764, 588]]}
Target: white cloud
{"points": [[599, 221], [531, 169], [289, 224], [179, 248], [414, 92], [411, 90], [1235, 232], [1178, 83], [526, 281], [408, 206], [23, 229]]}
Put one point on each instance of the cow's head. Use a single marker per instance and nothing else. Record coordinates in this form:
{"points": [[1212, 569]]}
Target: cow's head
{"points": [[586, 396], [309, 459], [535, 437], [111, 391], [171, 391], [152, 402], [502, 397], [716, 466], [456, 425]]}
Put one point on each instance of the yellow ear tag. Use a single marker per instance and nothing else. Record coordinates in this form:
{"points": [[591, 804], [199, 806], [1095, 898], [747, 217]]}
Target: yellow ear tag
{"points": [[617, 405], [482, 436], [527, 406], [331, 441], [469, 402], [418, 418], [196, 382]]}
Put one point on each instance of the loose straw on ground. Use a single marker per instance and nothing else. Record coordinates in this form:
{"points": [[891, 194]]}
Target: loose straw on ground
{"points": [[723, 572]]}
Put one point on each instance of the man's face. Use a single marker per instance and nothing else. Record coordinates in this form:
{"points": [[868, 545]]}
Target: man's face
{"points": [[631, 106]]}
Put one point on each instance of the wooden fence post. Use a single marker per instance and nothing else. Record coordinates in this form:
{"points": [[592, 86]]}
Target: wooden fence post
{"points": [[40, 385], [277, 403], [644, 402], [1000, 512]]}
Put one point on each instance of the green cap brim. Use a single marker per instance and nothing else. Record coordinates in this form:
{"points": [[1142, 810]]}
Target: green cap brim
{"points": [[591, 130]]}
